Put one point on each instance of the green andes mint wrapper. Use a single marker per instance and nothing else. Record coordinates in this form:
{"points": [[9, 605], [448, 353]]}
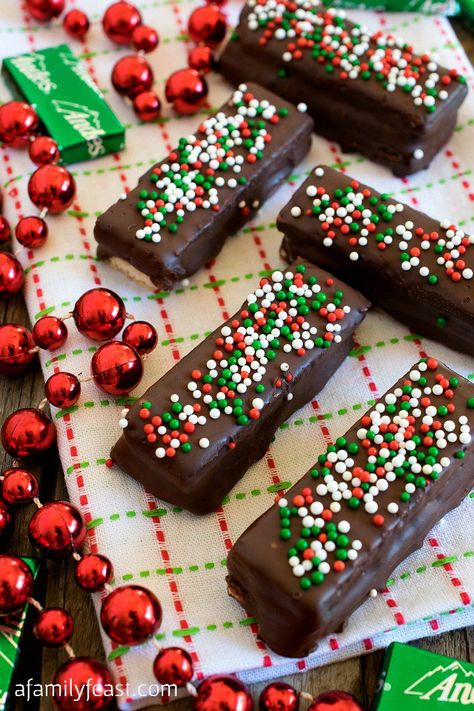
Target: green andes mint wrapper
{"points": [[11, 632], [428, 7], [467, 13], [69, 103], [415, 680]]}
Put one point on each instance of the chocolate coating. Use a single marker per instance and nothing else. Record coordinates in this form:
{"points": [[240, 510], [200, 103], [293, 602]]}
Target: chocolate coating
{"points": [[292, 620], [443, 311], [203, 232], [360, 115], [199, 479]]}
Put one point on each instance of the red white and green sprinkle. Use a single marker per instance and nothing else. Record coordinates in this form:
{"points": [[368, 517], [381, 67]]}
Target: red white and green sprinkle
{"points": [[347, 50], [398, 448], [361, 216], [288, 314], [208, 164]]}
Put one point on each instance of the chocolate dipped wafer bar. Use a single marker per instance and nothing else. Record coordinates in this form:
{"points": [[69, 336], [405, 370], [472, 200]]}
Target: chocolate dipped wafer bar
{"points": [[196, 431], [184, 208], [369, 91], [313, 558], [417, 268]]}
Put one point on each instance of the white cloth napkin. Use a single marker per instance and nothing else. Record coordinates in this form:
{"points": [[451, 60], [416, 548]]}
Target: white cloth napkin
{"points": [[179, 556]]}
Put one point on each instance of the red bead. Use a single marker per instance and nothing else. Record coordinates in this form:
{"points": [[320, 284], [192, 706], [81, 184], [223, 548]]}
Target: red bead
{"points": [[335, 701], [147, 106], [222, 693], [142, 336], [5, 230], [186, 90], [44, 150], [52, 186], [16, 345], [207, 24], [119, 21], [201, 59], [99, 314], [62, 389], [12, 275], [44, 10], [50, 333], [132, 75], [53, 627], [130, 614], [18, 121], [279, 697], [31, 232], [5, 519], [57, 529], [27, 432], [83, 673], [145, 38], [93, 571], [76, 23], [17, 584], [117, 368], [173, 665], [18, 487]]}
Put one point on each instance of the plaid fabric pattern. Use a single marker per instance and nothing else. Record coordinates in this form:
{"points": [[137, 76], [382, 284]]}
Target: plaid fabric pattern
{"points": [[181, 557]]}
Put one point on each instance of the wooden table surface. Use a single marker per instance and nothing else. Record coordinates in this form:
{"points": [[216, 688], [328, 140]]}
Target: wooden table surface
{"points": [[358, 675]]}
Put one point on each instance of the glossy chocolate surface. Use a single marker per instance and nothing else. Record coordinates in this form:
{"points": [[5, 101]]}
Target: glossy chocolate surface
{"points": [[359, 113], [443, 311], [199, 479], [203, 232], [292, 619]]}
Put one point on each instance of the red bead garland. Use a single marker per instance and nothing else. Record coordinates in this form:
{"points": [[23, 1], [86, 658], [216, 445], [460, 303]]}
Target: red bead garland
{"points": [[5, 230], [52, 187], [82, 673], [93, 572], [335, 701], [117, 368], [57, 529], [147, 106], [186, 90], [17, 349], [173, 665], [131, 614], [54, 627], [43, 150], [18, 487], [18, 122], [17, 584], [76, 23], [27, 432], [279, 696], [63, 389], [207, 24], [142, 336], [119, 21], [11, 275], [132, 75], [145, 38], [31, 232], [221, 692], [201, 59], [99, 314], [5, 519], [45, 10], [50, 333]]}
